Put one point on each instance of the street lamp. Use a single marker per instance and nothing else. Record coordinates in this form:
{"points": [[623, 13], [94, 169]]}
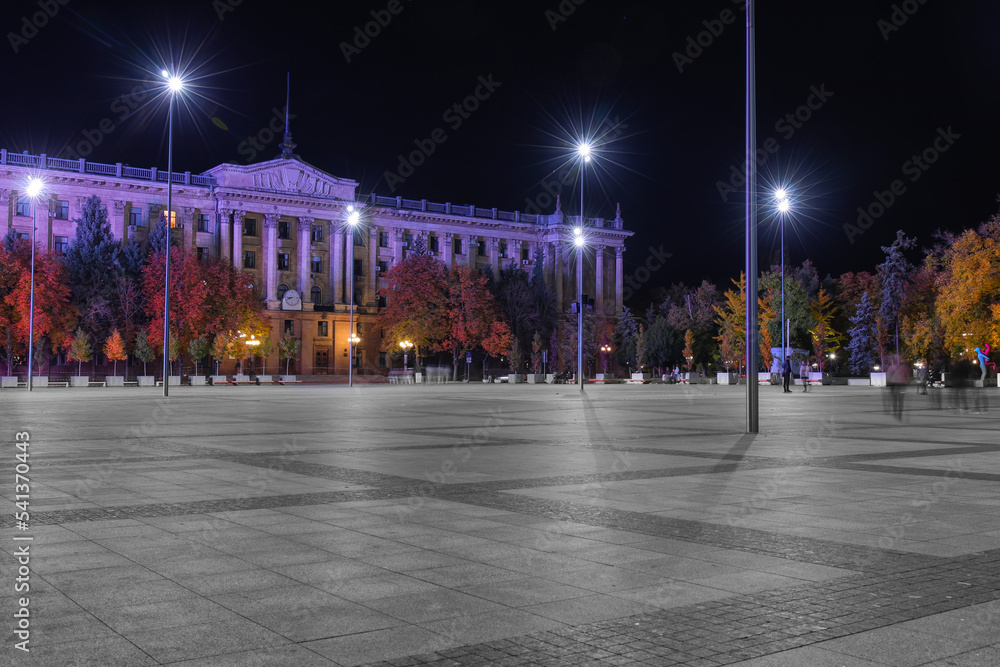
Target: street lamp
{"points": [[579, 241], [605, 351], [34, 191], [784, 206], [406, 345], [353, 217], [252, 344], [751, 224], [174, 85]]}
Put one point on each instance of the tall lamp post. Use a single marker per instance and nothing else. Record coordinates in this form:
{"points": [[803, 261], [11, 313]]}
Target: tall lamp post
{"points": [[34, 191], [174, 85], [352, 222], [784, 205], [583, 150], [751, 227]]}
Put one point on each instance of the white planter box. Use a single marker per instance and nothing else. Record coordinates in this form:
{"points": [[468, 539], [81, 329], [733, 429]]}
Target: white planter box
{"points": [[114, 381], [40, 381], [878, 379], [173, 380], [79, 380], [146, 381], [550, 378], [728, 378], [859, 382], [261, 379], [8, 381], [239, 377], [513, 378], [218, 379], [641, 376], [535, 378], [198, 380], [605, 376], [287, 378]]}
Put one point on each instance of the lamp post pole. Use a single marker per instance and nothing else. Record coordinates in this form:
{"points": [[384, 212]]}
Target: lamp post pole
{"points": [[751, 227], [34, 189], [352, 222], [584, 152], [174, 84]]}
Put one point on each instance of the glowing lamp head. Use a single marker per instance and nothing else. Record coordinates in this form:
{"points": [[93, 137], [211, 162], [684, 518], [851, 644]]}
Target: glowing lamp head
{"points": [[577, 232], [578, 241], [174, 82], [780, 194], [353, 217], [784, 205], [34, 187], [584, 150]]}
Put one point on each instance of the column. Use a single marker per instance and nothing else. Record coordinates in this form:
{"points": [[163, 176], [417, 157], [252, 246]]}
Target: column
{"points": [[514, 252], [336, 241], [494, 246], [397, 245], [449, 251], [472, 250], [225, 250], [557, 276], [371, 275], [549, 253], [305, 257], [599, 279], [270, 245], [619, 279], [5, 198], [237, 237], [118, 220], [186, 219]]}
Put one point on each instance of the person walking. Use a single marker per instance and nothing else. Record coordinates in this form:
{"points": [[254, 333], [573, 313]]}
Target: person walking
{"points": [[786, 373], [804, 374]]}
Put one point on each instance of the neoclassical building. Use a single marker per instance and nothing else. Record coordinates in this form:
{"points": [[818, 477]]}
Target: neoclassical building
{"points": [[284, 222]]}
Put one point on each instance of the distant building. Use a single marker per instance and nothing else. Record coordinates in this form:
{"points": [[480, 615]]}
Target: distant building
{"points": [[282, 221]]}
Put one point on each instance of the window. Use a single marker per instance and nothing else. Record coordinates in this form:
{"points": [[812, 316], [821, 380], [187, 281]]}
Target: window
{"points": [[282, 288], [284, 229], [357, 329], [60, 244], [317, 264], [290, 326], [135, 217], [203, 254], [432, 243], [383, 266], [249, 226], [408, 238], [24, 236], [524, 253], [457, 244], [204, 223], [481, 251], [383, 239], [317, 233], [283, 261], [380, 301], [315, 295], [381, 359], [503, 249], [249, 259], [173, 218], [323, 328], [62, 209], [359, 268], [23, 206], [359, 237]]}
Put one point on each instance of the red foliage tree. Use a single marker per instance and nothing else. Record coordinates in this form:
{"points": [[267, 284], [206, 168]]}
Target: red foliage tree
{"points": [[472, 317], [55, 316], [417, 298]]}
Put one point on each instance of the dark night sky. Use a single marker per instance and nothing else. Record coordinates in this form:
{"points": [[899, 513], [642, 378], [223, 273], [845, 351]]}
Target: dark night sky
{"points": [[679, 132]]}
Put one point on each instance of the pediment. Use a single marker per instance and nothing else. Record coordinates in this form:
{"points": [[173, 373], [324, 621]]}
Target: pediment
{"points": [[284, 175]]}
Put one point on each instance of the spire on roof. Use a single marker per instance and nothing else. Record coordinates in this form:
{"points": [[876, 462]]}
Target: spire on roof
{"points": [[288, 146]]}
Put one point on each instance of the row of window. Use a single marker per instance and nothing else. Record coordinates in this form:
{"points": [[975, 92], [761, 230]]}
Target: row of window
{"points": [[323, 328], [316, 266]]}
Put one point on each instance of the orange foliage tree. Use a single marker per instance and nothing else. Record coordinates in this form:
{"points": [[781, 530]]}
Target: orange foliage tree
{"points": [[417, 300]]}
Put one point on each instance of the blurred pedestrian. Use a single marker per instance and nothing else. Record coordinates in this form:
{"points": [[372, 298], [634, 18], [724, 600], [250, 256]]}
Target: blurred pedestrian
{"points": [[786, 373], [897, 377]]}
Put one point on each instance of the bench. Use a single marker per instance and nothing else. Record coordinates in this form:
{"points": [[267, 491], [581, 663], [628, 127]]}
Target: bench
{"points": [[287, 381], [54, 384], [93, 382]]}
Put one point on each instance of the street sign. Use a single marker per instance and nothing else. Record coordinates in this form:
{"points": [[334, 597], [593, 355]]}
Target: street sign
{"points": [[468, 357]]}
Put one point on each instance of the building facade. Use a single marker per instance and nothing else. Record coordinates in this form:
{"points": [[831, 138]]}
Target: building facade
{"points": [[284, 222]]}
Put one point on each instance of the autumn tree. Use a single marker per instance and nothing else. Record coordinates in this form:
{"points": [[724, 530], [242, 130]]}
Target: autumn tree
{"points": [[920, 328], [694, 310], [416, 292], [825, 339], [471, 317], [80, 349], [197, 349], [94, 262], [732, 320], [288, 349], [114, 349]]}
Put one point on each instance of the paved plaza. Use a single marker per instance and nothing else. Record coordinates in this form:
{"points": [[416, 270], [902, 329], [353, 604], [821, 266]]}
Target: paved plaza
{"points": [[501, 525]]}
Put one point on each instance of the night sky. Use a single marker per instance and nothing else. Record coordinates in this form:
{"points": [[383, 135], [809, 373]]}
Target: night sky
{"points": [[671, 115]]}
